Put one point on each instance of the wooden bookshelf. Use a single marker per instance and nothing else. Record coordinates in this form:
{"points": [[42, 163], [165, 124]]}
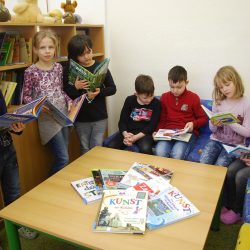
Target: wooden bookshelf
{"points": [[34, 159]]}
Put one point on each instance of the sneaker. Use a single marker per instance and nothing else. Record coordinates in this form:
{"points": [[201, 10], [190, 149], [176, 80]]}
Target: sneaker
{"points": [[27, 233], [230, 217], [223, 211]]}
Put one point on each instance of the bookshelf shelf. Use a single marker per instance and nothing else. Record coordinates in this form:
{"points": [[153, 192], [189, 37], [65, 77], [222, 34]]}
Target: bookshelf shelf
{"points": [[34, 165]]}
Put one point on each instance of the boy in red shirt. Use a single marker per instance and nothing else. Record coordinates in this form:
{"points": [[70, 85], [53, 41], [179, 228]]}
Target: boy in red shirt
{"points": [[181, 108]]}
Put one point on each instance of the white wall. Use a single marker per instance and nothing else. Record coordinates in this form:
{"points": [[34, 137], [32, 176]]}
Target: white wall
{"points": [[151, 36]]}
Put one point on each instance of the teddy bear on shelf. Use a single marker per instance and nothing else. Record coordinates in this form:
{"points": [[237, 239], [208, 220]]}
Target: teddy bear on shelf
{"points": [[27, 11], [4, 12], [69, 9]]}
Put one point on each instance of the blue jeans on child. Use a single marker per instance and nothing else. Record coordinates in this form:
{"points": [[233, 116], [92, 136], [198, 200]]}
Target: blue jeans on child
{"points": [[175, 149], [215, 154], [90, 134], [59, 145], [9, 175]]}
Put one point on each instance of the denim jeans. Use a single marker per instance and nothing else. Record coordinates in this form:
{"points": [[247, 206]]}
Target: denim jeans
{"points": [[235, 185], [59, 146], [145, 144], [9, 175], [175, 149], [215, 154], [90, 134]]}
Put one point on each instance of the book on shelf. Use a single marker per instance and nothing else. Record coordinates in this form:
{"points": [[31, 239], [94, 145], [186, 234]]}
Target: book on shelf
{"points": [[237, 150], [4, 52], [86, 188], [59, 116], [172, 134], [225, 117], [24, 114], [122, 211], [95, 79], [140, 172], [111, 178], [169, 207], [8, 89]]}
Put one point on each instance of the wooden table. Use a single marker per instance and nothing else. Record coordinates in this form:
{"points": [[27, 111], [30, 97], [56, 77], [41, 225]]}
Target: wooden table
{"points": [[54, 207]]}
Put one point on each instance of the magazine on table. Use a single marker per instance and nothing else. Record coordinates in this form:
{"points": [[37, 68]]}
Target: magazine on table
{"points": [[226, 117], [86, 188], [59, 116], [172, 134], [95, 79], [122, 211], [169, 207], [24, 114], [140, 173]]}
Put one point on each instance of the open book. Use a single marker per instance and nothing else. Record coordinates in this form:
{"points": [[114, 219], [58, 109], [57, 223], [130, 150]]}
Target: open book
{"points": [[59, 116], [24, 114], [172, 134], [95, 79], [238, 150], [225, 118]]}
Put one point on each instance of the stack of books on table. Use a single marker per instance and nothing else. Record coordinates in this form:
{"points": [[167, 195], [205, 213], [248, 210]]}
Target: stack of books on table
{"points": [[134, 200]]}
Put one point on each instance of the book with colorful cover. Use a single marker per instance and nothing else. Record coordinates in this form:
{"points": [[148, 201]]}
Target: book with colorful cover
{"points": [[140, 172], [24, 114], [237, 150], [122, 211], [154, 186], [59, 116], [169, 207], [95, 79], [86, 188], [172, 134], [226, 117], [97, 178], [111, 178]]}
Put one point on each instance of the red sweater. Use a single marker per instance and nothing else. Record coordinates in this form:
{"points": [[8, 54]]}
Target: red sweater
{"points": [[177, 111]]}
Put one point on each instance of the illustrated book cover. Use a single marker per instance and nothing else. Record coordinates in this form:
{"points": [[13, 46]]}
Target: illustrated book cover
{"points": [[169, 207], [24, 114], [140, 172], [59, 116], [226, 118], [95, 79], [86, 188], [122, 211], [111, 178], [237, 151], [172, 134], [246, 209]]}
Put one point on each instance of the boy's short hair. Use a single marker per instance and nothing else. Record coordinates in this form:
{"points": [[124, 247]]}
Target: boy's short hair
{"points": [[177, 74], [144, 85]]}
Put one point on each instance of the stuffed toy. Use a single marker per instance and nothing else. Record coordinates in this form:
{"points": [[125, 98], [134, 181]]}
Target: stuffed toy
{"points": [[54, 16], [4, 12], [69, 9], [27, 11]]}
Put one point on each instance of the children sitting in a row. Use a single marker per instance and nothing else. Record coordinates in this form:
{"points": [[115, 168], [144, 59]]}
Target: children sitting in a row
{"points": [[181, 109]]}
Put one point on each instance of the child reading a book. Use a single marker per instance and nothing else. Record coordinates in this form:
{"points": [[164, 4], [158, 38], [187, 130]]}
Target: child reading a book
{"points": [[235, 187], [228, 96], [139, 117], [9, 174], [181, 109], [44, 78], [91, 122]]}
